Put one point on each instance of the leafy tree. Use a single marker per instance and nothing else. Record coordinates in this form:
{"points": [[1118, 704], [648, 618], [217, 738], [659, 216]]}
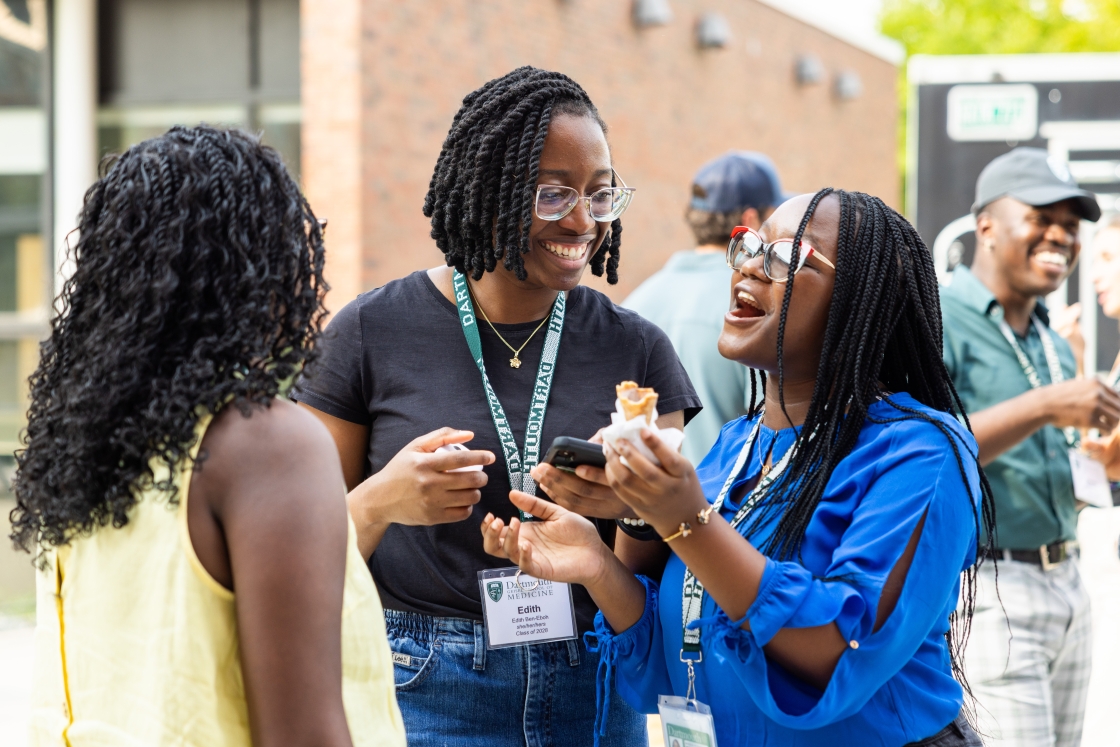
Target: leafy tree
{"points": [[1002, 26], [997, 27]]}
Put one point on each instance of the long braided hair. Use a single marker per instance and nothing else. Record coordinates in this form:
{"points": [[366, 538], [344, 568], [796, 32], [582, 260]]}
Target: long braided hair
{"points": [[883, 334], [480, 198], [198, 282]]}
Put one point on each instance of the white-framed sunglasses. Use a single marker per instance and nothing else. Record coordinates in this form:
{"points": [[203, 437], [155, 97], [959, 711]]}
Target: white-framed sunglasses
{"points": [[554, 201]]}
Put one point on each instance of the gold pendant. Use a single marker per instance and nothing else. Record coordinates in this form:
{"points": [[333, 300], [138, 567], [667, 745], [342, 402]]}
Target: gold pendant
{"points": [[765, 470], [515, 362]]}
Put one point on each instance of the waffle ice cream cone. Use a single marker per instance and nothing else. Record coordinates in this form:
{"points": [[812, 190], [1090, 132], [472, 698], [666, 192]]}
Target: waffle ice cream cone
{"points": [[637, 400], [635, 411]]}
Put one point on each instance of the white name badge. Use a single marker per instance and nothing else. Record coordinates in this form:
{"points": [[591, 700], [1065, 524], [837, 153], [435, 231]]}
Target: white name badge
{"points": [[686, 723], [1090, 482], [519, 609]]}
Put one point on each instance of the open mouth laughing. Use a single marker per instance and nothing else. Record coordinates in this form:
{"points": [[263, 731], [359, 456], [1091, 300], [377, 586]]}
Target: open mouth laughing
{"points": [[1050, 259], [745, 306]]}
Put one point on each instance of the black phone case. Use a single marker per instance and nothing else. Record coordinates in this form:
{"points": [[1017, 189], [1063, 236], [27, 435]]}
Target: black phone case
{"points": [[568, 453]]}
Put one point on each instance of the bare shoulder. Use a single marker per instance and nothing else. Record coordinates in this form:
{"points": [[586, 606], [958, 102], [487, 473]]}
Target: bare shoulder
{"points": [[282, 425], [267, 443]]}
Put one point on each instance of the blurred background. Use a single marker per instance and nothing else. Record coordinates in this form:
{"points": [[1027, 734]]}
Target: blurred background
{"points": [[905, 99]]}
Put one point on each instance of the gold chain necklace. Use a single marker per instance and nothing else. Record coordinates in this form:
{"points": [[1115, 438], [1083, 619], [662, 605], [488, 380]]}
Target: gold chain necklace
{"points": [[765, 461], [514, 362]]}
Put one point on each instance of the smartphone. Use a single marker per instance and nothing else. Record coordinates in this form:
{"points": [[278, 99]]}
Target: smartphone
{"points": [[568, 453]]}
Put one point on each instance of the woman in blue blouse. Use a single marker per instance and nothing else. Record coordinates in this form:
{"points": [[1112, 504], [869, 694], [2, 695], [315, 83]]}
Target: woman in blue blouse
{"points": [[818, 550]]}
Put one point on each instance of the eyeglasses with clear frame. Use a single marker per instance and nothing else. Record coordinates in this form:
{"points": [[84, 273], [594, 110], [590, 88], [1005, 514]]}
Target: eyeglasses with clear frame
{"points": [[746, 244], [554, 201]]}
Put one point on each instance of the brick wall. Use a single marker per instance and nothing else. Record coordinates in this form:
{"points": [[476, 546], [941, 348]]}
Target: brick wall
{"points": [[669, 106]]}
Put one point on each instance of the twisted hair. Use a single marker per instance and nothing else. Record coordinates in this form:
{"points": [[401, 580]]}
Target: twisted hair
{"points": [[883, 334], [481, 195], [198, 281]]}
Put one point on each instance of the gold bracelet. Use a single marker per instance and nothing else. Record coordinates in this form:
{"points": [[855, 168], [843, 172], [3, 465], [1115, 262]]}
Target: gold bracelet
{"points": [[706, 515], [684, 531]]}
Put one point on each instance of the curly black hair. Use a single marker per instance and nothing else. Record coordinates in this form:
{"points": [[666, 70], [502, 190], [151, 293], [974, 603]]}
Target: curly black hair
{"points": [[883, 335], [198, 282], [481, 195]]}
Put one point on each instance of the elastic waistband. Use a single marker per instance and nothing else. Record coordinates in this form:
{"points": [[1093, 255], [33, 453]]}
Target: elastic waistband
{"points": [[423, 626]]}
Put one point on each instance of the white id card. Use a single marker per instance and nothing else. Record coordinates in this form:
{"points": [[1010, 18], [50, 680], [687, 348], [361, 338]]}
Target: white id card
{"points": [[521, 609], [686, 723], [1090, 482]]}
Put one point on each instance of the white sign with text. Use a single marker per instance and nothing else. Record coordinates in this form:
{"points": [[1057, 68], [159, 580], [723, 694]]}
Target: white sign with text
{"points": [[521, 609]]}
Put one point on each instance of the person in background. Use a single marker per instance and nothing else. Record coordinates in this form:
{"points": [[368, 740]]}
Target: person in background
{"points": [[687, 298], [1106, 282], [199, 579], [1017, 379]]}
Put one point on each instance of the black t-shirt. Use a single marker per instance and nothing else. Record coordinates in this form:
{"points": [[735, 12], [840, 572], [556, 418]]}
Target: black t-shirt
{"points": [[395, 359]]}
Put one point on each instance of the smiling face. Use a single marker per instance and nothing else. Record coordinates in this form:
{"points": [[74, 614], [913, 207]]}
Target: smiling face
{"points": [[1106, 270], [1033, 248], [575, 155], [750, 327]]}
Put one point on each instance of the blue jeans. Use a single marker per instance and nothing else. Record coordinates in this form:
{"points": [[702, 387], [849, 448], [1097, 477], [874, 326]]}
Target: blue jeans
{"points": [[453, 691]]}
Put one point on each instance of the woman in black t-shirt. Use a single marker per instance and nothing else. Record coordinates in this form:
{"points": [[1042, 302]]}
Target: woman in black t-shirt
{"points": [[523, 199]]}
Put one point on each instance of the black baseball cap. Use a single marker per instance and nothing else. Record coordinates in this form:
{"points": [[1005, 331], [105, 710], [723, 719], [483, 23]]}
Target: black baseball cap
{"points": [[737, 180], [1034, 177]]}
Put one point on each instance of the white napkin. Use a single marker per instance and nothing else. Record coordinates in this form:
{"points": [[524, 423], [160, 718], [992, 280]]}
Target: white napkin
{"points": [[622, 429]]}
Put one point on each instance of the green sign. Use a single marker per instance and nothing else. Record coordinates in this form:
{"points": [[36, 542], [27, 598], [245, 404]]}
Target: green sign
{"points": [[993, 112]]}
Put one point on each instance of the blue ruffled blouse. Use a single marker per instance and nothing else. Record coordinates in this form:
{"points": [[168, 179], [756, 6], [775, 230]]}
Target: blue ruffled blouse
{"points": [[891, 686]]}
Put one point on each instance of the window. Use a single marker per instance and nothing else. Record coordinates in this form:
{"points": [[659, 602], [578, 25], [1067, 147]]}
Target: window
{"points": [[25, 268], [223, 62]]}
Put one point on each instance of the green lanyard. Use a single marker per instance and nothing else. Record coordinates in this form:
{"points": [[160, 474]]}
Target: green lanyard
{"points": [[692, 593], [519, 477]]}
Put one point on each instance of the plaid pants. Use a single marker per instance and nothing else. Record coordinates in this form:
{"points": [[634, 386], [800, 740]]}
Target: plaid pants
{"points": [[1030, 670]]}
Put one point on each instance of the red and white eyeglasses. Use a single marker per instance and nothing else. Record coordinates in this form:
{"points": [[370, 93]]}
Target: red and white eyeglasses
{"points": [[746, 244]]}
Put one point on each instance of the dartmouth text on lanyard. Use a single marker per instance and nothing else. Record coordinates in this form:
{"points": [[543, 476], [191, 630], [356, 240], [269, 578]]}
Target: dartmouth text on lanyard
{"points": [[519, 478]]}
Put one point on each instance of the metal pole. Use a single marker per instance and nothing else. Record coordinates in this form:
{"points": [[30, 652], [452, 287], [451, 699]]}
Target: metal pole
{"points": [[74, 120]]}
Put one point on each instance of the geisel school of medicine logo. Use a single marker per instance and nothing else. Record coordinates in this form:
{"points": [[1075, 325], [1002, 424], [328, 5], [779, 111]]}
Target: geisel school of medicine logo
{"points": [[494, 589]]}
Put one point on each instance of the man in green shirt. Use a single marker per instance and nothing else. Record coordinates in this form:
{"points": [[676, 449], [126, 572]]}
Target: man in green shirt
{"points": [[1017, 380]]}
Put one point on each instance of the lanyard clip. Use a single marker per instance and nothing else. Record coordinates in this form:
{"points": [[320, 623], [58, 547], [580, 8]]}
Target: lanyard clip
{"points": [[690, 694]]}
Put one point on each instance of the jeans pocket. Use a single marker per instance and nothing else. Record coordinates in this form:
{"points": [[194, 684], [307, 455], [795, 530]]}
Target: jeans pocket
{"points": [[956, 734], [413, 660]]}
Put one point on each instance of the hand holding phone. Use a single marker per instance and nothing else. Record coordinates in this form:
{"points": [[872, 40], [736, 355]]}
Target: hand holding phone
{"points": [[567, 453], [588, 495]]}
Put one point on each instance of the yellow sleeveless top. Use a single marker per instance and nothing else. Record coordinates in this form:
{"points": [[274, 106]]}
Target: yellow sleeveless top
{"points": [[136, 644]]}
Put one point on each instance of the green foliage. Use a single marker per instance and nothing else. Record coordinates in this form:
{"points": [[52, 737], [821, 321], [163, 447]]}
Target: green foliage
{"points": [[1002, 26], [996, 27]]}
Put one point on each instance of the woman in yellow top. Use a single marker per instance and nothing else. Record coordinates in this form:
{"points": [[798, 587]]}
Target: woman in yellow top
{"points": [[199, 579]]}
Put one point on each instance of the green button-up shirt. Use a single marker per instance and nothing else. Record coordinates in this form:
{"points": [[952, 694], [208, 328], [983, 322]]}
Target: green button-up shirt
{"points": [[1031, 482]]}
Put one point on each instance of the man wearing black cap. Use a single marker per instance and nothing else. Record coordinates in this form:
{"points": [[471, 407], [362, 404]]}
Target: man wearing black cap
{"points": [[1017, 379], [690, 295]]}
